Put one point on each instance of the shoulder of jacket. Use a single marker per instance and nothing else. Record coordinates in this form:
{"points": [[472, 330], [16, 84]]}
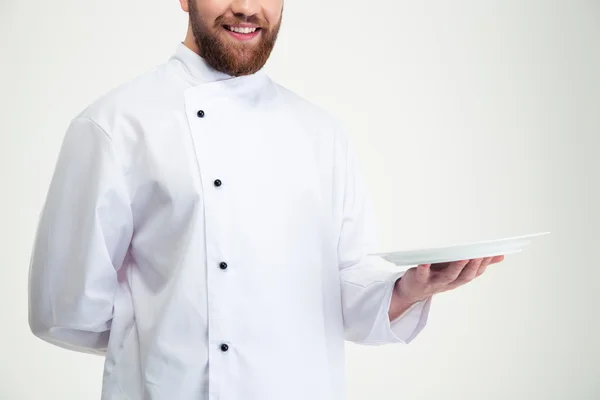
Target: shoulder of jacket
{"points": [[135, 94], [307, 107]]}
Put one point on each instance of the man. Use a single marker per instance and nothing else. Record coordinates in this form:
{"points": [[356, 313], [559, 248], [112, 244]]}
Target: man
{"points": [[207, 231]]}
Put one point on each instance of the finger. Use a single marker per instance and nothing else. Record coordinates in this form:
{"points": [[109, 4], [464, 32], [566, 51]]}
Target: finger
{"points": [[497, 259], [439, 266], [469, 272], [423, 272], [484, 264], [488, 261], [481, 270], [450, 273]]}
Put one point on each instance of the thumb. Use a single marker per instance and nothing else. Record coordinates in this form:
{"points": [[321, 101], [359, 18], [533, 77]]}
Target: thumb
{"points": [[423, 272]]}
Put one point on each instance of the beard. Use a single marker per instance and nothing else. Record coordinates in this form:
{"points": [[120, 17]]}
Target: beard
{"points": [[227, 56]]}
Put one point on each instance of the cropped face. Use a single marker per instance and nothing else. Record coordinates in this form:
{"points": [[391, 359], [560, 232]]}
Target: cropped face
{"points": [[235, 37]]}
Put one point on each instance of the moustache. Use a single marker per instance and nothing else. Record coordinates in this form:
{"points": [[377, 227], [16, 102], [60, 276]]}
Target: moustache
{"points": [[249, 19]]}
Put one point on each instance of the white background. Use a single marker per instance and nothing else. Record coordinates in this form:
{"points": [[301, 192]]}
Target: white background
{"points": [[473, 120]]}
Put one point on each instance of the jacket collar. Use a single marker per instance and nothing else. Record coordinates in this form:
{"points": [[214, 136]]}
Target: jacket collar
{"points": [[195, 68]]}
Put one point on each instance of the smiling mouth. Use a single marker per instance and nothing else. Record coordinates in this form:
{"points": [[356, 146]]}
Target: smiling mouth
{"points": [[241, 30]]}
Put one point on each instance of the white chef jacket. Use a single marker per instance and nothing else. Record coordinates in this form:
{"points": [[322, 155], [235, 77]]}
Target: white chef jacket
{"points": [[208, 235]]}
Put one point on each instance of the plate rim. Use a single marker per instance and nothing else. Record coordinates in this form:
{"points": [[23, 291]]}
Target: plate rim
{"points": [[474, 243], [406, 262]]}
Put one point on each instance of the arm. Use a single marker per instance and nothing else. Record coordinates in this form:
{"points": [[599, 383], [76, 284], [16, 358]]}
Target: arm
{"points": [[81, 240], [373, 311]]}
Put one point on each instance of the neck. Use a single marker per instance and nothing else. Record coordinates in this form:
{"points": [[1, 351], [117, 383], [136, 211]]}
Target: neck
{"points": [[190, 43]]}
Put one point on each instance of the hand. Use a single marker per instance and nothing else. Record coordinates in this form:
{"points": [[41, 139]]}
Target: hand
{"points": [[425, 280]]}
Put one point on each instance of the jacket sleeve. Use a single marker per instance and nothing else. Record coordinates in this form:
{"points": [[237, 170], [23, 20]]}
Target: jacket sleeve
{"points": [[82, 236], [367, 282]]}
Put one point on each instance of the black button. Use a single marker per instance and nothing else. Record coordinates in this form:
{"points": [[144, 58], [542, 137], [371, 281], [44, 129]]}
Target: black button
{"points": [[224, 347], [218, 183], [223, 265], [200, 113]]}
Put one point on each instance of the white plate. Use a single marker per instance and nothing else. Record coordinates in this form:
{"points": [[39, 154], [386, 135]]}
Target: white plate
{"points": [[457, 252]]}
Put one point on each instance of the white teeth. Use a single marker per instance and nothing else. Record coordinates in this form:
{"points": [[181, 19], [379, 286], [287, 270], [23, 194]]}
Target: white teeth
{"points": [[242, 30]]}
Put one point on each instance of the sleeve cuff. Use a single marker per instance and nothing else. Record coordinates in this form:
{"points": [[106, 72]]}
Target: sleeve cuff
{"points": [[407, 326]]}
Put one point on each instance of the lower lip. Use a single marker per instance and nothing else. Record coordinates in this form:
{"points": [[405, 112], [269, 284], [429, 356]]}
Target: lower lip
{"points": [[243, 36]]}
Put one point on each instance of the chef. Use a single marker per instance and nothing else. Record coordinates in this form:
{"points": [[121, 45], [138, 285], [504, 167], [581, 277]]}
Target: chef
{"points": [[207, 231]]}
